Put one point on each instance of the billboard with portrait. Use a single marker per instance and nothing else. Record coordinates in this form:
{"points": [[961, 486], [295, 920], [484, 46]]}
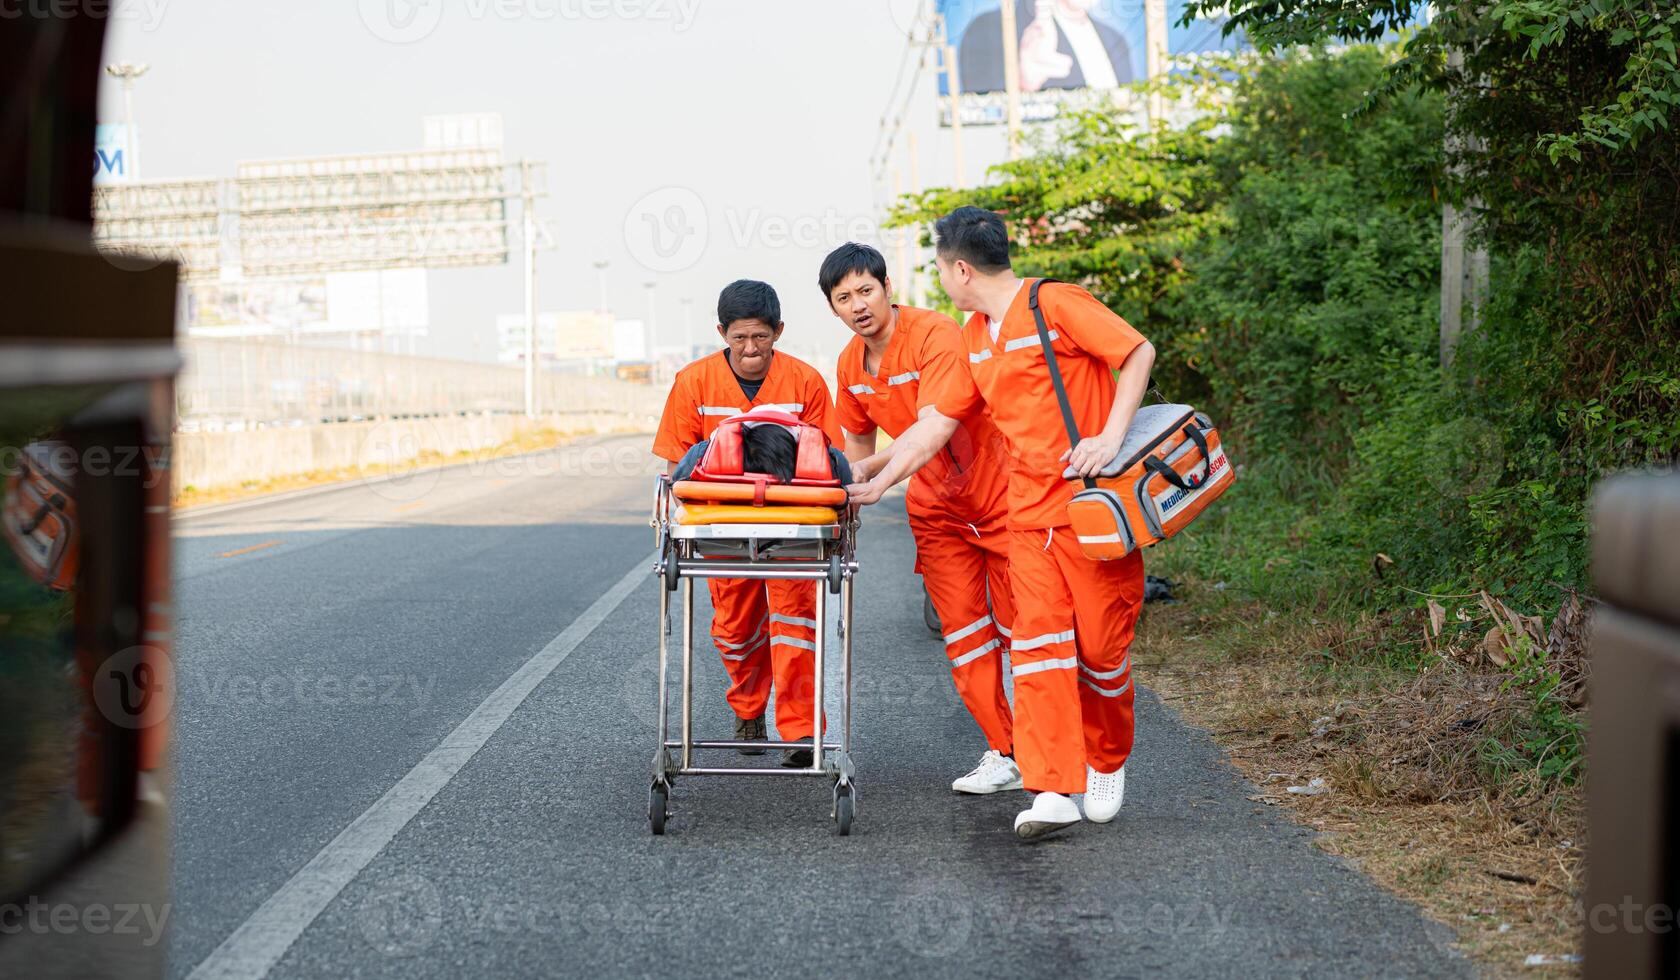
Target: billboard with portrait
{"points": [[1064, 47]]}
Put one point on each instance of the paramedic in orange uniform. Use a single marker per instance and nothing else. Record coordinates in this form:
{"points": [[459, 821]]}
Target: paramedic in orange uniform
{"points": [[906, 372], [765, 630], [1074, 616]]}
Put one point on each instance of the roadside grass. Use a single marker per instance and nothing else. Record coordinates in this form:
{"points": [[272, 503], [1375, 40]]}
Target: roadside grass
{"points": [[532, 441], [1443, 780]]}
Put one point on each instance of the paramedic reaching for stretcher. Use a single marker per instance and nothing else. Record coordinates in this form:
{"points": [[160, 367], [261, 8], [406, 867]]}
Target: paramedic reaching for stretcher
{"points": [[765, 630], [1074, 616], [906, 372]]}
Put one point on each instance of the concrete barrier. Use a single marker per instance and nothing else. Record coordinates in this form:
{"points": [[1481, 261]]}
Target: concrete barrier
{"points": [[213, 460]]}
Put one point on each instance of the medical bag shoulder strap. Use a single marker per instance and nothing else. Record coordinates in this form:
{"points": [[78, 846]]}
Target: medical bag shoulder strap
{"points": [[1055, 369]]}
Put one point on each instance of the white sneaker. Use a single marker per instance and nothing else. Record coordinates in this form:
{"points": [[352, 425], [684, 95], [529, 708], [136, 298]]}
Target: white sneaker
{"points": [[1103, 793], [995, 773], [1049, 813]]}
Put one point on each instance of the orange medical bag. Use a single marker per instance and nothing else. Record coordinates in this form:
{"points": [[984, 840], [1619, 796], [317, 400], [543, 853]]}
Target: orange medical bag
{"points": [[1170, 467], [38, 515]]}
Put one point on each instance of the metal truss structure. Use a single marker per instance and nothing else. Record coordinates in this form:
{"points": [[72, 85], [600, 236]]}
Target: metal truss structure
{"points": [[310, 217], [163, 219], [431, 209]]}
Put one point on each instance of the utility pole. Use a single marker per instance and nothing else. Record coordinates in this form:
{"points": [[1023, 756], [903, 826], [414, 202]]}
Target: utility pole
{"points": [[1464, 277], [127, 73], [1012, 76], [912, 286], [953, 85], [901, 257], [1155, 41], [530, 217]]}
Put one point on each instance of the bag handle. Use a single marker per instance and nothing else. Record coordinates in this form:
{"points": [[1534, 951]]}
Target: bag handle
{"points": [[1055, 369], [1155, 465]]}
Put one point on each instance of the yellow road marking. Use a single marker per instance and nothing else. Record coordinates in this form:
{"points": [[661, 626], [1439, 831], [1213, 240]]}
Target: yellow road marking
{"points": [[245, 551]]}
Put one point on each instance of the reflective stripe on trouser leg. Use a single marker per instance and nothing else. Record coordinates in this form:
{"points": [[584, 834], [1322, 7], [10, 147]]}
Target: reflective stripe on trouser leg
{"points": [[740, 629], [1107, 597], [954, 574], [793, 611], [1049, 736]]}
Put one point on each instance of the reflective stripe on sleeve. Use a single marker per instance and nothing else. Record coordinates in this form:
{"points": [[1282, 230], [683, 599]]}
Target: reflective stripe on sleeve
{"points": [[1031, 340], [718, 410], [861, 390], [974, 358], [905, 378]]}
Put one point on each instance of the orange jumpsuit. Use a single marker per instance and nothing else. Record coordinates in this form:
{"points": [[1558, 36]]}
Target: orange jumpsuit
{"points": [[956, 502], [1074, 617], [763, 629]]}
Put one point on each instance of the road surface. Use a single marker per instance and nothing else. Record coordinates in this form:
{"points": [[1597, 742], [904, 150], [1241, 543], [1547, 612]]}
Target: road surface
{"points": [[414, 728]]}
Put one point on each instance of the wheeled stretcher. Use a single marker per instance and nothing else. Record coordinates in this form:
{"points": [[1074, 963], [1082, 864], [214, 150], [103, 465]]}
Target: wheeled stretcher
{"points": [[723, 530]]}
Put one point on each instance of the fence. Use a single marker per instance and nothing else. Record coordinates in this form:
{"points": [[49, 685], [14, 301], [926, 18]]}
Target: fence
{"points": [[236, 385]]}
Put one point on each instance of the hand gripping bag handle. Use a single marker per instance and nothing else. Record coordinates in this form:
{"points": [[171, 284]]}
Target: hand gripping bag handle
{"points": [[1055, 370]]}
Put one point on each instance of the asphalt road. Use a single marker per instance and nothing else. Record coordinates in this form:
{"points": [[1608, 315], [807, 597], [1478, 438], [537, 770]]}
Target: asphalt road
{"points": [[362, 792]]}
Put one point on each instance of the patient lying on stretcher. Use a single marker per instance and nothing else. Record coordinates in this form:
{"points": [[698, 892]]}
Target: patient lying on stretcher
{"points": [[768, 449]]}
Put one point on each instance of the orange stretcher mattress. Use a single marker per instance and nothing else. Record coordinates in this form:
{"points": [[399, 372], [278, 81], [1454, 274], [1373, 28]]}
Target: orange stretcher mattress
{"points": [[775, 493], [748, 514]]}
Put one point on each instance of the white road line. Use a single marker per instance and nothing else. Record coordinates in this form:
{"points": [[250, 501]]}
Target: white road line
{"points": [[259, 942]]}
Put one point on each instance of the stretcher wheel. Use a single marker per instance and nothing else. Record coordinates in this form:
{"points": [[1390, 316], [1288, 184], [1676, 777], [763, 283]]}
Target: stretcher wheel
{"points": [[671, 576], [845, 808], [659, 801], [835, 577]]}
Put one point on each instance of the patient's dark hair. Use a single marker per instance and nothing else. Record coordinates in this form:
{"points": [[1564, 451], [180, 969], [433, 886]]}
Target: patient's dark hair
{"points": [[769, 449]]}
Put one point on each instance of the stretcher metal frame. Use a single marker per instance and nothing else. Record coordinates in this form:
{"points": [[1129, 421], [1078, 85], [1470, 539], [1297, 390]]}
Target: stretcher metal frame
{"points": [[826, 553]]}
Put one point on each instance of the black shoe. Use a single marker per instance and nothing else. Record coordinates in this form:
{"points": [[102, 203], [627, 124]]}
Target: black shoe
{"points": [[751, 730], [796, 758]]}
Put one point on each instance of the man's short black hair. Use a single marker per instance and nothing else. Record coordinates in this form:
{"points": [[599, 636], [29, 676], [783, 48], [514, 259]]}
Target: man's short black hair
{"points": [[749, 299], [976, 236], [847, 259], [769, 449]]}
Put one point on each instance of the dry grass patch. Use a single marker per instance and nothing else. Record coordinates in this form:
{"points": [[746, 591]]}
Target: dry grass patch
{"points": [[1415, 791]]}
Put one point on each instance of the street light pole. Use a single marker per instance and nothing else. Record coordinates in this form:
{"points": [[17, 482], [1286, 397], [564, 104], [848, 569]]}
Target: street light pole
{"points": [[652, 323], [530, 216], [601, 281], [688, 327], [127, 72]]}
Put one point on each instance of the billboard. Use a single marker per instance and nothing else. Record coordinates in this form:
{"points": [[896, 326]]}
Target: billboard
{"points": [[1066, 50], [110, 154]]}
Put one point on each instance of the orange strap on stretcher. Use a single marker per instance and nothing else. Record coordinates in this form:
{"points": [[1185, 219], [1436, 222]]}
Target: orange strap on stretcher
{"points": [[748, 514], [748, 493]]}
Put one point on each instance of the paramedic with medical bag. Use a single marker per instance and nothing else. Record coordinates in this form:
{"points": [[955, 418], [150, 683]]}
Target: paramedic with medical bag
{"points": [[1074, 616]]}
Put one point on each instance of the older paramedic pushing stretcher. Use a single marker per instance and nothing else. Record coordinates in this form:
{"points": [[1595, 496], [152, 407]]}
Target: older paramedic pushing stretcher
{"points": [[1074, 617], [764, 630], [906, 372]]}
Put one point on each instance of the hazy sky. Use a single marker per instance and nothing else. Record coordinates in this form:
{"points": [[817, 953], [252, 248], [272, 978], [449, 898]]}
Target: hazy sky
{"points": [[750, 122]]}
